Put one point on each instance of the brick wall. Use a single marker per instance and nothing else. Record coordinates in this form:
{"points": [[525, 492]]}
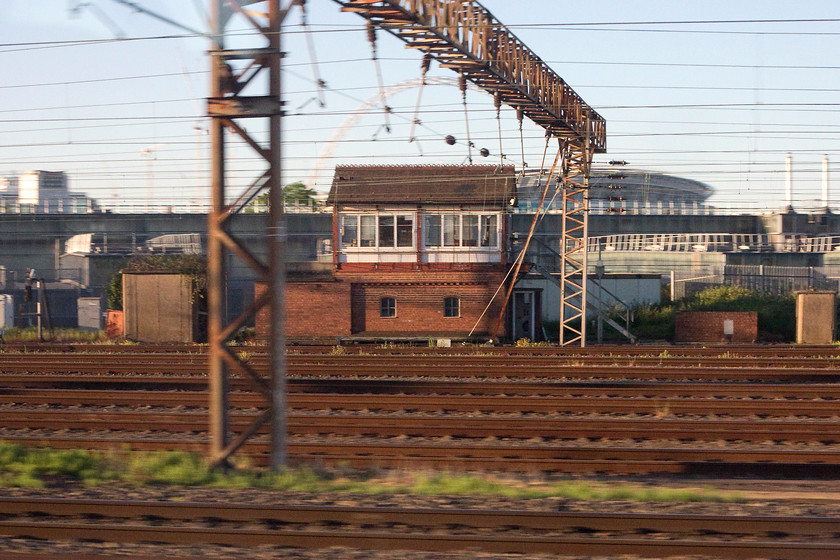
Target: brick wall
{"points": [[708, 326], [314, 310], [351, 304], [419, 293], [420, 309]]}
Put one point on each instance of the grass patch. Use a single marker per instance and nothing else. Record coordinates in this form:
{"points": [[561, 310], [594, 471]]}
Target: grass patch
{"points": [[34, 468], [41, 467], [30, 334], [467, 485], [579, 491]]}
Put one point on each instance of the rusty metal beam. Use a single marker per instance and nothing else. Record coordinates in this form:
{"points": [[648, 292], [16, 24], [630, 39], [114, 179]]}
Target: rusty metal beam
{"points": [[466, 37]]}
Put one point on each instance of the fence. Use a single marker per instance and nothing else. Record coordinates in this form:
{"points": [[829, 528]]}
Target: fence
{"points": [[715, 242], [777, 280]]}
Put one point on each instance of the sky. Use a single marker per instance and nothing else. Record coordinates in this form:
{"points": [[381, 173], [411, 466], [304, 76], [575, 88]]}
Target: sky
{"points": [[715, 91]]}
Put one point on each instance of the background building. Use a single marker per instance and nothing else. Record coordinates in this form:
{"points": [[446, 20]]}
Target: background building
{"points": [[620, 190], [42, 192]]}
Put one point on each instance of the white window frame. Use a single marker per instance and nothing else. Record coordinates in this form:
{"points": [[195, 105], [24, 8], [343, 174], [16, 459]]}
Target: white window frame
{"points": [[396, 215], [480, 217]]}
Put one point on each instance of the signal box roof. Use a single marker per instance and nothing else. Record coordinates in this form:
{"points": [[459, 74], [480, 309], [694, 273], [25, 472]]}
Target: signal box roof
{"points": [[487, 185]]}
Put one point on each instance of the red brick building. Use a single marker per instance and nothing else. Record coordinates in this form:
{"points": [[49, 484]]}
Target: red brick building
{"points": [[417, 251]]}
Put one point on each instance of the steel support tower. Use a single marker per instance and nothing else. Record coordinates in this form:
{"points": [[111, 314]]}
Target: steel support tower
{"points": [[232, 72], [576, 163]]}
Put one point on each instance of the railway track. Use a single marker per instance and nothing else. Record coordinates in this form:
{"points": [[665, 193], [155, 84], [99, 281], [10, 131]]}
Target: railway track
{"points": [[524, 532], [502, 456], [504, 413], [453, 386], [431, 403], [466, 428], [687, 357], [699, 415], [803, 370], [601, 350]]}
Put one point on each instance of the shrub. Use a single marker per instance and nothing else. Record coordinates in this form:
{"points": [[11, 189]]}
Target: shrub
{"points": [[193, 266], [776, 313]]}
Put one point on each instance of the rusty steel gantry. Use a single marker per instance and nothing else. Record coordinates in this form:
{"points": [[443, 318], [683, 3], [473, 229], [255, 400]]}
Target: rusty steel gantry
{"points": [[461, 35]]}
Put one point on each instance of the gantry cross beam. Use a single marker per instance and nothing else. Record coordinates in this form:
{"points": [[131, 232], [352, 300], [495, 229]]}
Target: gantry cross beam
{"points": [[463, 36]]}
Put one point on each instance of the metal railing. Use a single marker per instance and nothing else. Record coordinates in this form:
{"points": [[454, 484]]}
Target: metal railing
{"points": [[714, 242], [777, 280], [142, 207], [602, 207]]}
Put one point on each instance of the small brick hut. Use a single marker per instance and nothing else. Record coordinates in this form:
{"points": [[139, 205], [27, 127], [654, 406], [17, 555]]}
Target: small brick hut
{"points": [[716, 326], [417, 251]]}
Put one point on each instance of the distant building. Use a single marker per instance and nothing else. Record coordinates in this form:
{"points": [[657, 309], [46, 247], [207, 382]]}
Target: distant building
{"points": [[42, 192], [635, 191], [9, 186]]}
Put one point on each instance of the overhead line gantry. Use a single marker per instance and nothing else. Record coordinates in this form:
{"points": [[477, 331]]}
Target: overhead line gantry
{"points": [[465, 37]]}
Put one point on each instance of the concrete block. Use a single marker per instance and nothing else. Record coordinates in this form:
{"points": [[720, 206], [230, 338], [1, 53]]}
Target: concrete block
{"points": [[158, 307], [815, 317]]}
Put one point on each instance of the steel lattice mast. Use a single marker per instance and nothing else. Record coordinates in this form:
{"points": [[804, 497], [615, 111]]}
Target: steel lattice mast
{"points": [[577, 160], [232, 70]]}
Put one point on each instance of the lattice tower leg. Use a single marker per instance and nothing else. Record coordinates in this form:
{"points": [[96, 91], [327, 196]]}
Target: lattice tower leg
{"points": [[573, 243]]}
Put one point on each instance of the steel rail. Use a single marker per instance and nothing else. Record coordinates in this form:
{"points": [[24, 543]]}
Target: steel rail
{"points": [[645, 350], [450, 426], [494, 360], [525, 371], [366, 539], [612, 403], [520, 371], [741, 350], [472, 518], [465, 456], [50, 358], [463, 386]]}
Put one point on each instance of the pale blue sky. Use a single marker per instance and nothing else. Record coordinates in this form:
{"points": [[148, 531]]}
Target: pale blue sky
{"points": [[718, 102]]}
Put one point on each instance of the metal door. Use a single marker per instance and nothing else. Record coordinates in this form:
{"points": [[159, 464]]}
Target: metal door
{"points": [[523, 314]]}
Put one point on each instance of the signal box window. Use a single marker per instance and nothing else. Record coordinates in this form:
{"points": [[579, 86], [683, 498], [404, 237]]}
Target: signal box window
{"points": [[451, 307], [387, 307]]}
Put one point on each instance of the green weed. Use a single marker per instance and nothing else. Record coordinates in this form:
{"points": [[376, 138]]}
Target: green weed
{"points": [[30, 334], [37, 467], [776, 314]]}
